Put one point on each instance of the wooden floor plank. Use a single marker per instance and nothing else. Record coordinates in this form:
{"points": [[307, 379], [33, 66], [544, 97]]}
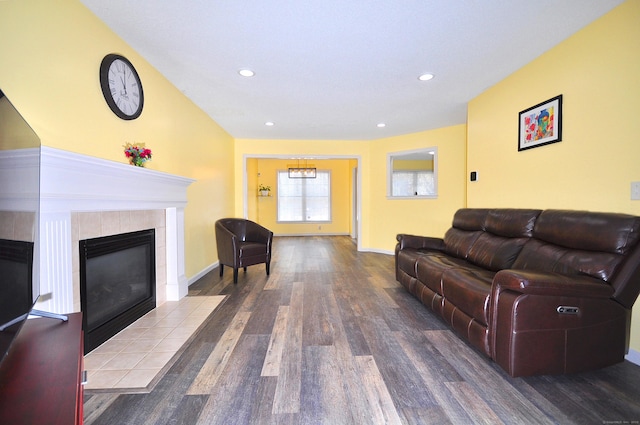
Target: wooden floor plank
{"points": [[234, 395], [380, 402], [323, 399], [317, 329], [188, 411], [433, 369], [287, 396], [218, 359], [401, 377], [271, 366], [473, 404]]}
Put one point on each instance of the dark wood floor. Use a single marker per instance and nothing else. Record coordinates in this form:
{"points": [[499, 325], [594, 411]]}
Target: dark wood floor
{"points": [[331, 338]]}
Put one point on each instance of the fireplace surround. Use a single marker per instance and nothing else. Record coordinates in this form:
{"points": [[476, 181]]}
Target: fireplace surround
{"points": [[83, 197]]}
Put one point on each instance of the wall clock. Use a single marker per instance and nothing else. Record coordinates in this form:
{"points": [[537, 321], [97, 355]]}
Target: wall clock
{"points": [[121, 86]]}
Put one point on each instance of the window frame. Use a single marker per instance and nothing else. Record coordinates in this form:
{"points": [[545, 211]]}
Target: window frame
{"points": [[390, 158]]}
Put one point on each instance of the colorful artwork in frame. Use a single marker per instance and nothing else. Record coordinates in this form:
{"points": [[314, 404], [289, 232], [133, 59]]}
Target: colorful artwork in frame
{"points": [[541, 124]]}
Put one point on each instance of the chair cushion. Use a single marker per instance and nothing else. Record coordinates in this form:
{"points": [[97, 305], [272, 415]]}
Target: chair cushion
{"points": [[251, 249]]}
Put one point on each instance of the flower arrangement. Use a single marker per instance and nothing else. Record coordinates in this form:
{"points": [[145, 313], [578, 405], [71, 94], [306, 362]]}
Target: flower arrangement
{"points": [[137, 154]]}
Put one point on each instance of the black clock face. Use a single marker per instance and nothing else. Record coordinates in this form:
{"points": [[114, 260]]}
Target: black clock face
{"points": [[121, 87]]}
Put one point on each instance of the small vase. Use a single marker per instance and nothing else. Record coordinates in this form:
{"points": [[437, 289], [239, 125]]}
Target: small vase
{"points": [[264, 193]]}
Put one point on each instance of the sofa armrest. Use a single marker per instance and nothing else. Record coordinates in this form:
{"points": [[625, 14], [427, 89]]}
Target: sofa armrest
{"points": [[531, 334], [419, 242], [551, 284]]}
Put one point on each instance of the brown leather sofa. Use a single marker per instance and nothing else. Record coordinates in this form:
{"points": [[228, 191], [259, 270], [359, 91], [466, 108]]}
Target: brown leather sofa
{"points": [[241, 243], [539, 292]]}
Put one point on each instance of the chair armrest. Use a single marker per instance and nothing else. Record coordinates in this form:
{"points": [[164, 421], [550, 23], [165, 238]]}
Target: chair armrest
{"points": [[552, 284], [419, 242], [227, 245]]}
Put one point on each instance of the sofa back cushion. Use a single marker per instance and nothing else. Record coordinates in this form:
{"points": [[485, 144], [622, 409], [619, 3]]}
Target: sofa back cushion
{"points": [[495, 252], [606, 232], [511, 223], [468, 225], [540, 256], [490, 238], [470, 218], [457, 243], [579, 242], [505, 233]]}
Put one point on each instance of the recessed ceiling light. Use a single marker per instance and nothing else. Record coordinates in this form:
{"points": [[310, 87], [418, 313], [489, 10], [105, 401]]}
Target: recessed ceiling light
{"points": [[425, 77], [246, 73], [381, 125], [269, 123]]}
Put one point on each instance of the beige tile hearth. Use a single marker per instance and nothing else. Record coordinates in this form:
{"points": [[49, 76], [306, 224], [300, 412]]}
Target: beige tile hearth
{"points": [[136, 358]]}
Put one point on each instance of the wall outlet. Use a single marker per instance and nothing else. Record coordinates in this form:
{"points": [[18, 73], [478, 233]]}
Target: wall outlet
{"points": [[635, 191]]}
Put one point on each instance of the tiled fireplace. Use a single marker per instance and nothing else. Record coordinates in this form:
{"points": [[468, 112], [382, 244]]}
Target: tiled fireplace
{"points": [[84, 197]]}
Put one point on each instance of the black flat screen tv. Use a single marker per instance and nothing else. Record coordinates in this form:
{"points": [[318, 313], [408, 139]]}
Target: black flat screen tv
{"points": [[16, 289], [19, 222]]}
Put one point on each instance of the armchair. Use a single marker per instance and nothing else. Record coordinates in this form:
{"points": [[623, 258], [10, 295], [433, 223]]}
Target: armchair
{"points": [[242, 243]]}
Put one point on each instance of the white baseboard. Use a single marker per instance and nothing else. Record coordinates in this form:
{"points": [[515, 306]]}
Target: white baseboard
{"points": [[378, 251], [193, 279], [633, 356]]}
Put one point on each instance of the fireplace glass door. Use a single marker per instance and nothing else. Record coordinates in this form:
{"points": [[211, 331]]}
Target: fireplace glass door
{"points": [[117, 283]]}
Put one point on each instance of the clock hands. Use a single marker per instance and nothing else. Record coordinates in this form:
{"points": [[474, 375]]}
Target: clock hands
{"points": [[123, 78]]}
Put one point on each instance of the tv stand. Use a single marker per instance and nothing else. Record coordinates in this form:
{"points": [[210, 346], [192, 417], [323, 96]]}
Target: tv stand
{"points": [[41, 376], [50, 315]]}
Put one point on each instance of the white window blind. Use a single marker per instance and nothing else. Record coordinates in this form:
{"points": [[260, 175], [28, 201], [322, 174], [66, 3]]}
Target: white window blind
{"points": [[304, 199], [413, 183]]}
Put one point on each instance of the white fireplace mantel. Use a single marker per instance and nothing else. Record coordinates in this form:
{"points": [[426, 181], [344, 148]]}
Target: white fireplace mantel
{"points": [[71, 182]]}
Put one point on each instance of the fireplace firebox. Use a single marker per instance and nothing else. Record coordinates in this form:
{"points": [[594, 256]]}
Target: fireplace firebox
{"points": [[117, 283]]}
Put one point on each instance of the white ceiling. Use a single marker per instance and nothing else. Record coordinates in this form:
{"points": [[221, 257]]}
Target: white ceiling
{"points": [[334, 69]]}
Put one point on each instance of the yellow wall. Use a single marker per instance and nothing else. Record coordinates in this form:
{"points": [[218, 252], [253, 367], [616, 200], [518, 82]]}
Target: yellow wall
{"points": [[430, 217], [597, 71], [51, 54]]}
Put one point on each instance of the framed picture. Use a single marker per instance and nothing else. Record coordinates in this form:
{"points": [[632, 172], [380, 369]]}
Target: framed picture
{"points": [[541, 124]]}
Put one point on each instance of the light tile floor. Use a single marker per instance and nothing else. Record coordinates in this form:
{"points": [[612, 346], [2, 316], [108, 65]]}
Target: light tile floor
{"points": [[133, 359]]}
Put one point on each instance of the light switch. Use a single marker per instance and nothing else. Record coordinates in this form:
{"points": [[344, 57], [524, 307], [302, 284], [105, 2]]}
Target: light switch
{"points": [[635, 191]]}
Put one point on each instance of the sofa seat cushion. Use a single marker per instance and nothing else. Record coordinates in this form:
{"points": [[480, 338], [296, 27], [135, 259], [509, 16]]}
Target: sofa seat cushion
{"points": [[429, 269], [407, 259], [469, 290]]}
